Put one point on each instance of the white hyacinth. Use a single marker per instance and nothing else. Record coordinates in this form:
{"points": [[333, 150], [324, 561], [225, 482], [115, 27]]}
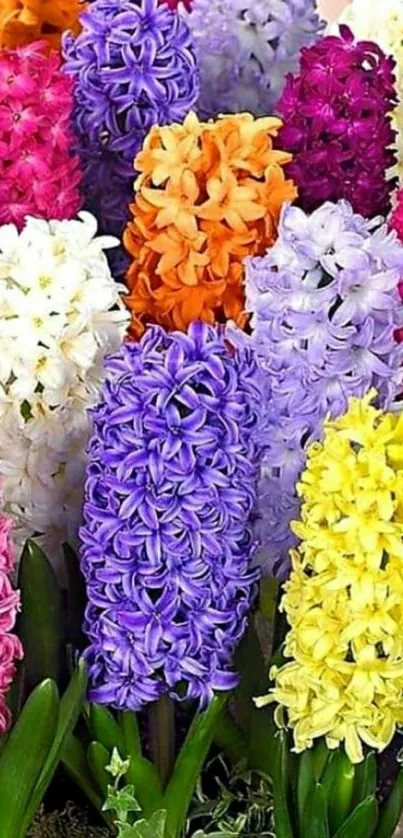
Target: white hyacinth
{"points": [[381, 21], [60, 314]]}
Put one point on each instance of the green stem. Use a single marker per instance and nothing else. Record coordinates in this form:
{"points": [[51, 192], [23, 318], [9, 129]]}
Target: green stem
{"points": [[230, 739], [131, 734], [162, 736], [189, 764]]}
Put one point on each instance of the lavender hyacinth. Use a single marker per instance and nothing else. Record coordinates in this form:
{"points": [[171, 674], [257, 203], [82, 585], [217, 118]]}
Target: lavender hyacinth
{"points": [[325, 305], [166, 548], [134, 66], [245, 48]]}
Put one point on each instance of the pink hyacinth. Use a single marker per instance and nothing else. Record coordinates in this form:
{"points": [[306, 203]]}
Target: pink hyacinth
{"points": [[39, 172], [10, 646], [337, 124], [173, 4]]}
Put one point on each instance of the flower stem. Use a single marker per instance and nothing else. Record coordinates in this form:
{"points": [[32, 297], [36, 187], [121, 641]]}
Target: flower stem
{"points": [[162, 736]]}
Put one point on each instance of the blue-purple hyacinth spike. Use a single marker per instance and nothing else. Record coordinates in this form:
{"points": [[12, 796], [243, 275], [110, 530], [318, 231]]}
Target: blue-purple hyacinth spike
{"points": [[166, 544]]}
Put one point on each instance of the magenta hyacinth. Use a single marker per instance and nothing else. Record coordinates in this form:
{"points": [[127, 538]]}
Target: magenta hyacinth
{"points": [[39, 173], [338, 124], [10, 646], [166, 542]]}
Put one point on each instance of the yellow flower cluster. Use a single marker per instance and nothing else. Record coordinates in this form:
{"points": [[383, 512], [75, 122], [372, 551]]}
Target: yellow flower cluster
{"points": [[344, 599], [382, 21]]}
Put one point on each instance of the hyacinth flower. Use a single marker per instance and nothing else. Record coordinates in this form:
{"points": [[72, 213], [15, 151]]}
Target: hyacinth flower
{"points": [[337, 124], [61, 314], [39, 173], [245, 48], [325, 308], [133, 66], [343, 678], [207, 195], [10, 646], [383, 23], [166, 546], [25, 21]]}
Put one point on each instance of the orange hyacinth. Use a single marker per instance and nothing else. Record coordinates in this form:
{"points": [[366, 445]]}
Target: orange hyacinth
{"points": [[24, 21], [208, 194]]}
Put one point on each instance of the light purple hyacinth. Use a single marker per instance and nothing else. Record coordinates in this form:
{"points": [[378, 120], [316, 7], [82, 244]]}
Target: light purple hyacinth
{"points": [[245, 48], [325, 306], [133, 66], [166, 546]]}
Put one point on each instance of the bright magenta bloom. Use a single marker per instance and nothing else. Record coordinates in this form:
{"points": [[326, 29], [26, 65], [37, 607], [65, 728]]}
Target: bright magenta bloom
{"points": [[39, 172], [10, 646]]}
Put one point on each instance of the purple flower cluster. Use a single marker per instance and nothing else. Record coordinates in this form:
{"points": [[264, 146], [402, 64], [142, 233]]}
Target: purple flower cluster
{"points": [[325, 305], [245, 48], [338, 124], [133, 66], [166, 548]]}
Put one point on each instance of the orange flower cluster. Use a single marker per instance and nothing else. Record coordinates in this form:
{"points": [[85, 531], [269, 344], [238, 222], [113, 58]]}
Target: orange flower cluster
{"points": [[24, 21], [208, 195]]}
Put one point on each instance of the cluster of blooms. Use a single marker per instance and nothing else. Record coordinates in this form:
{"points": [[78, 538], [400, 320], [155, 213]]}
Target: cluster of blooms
{"points": [[133, 67], [325, 306], [245, 48], [383, 22], [10, 646], [208, 194], [396, 218], [25, 21], [343, 600], [338, 124], [39, 173], [60, 313], [166, 549]]}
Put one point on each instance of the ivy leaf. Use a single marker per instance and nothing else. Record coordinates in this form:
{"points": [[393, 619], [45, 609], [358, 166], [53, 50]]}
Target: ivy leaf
{"points": [[153, 828], [121, 800]]}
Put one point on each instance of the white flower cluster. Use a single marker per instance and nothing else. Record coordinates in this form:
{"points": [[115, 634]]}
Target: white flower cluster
{"points": [[381, 21], [60, 314]]}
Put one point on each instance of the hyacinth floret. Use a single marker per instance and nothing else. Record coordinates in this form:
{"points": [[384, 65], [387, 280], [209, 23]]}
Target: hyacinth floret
{"points": [[39, 172], [343, 678], [337, 123], [25, 21], [166, 546], [133, 67], [11, 649], [60, 314], [324, 306], [245, 48]]}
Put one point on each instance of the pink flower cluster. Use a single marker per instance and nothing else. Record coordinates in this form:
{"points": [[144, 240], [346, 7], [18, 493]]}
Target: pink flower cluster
{"points": [[338, 124], [39, 173], [173, 4], [10, 646]]}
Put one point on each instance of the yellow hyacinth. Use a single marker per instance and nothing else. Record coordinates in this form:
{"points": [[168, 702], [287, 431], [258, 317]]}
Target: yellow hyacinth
{"points": [[344, 598]]}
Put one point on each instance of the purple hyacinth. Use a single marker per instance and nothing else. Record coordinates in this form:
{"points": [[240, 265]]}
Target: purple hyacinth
{"points": [[166, 546], [325, 306], [134, 67]]}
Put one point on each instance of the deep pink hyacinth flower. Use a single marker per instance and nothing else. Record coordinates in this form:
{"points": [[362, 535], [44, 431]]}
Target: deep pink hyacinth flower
{"points": [[39, 171], [10, 647], [173, 4], [338, 125]]}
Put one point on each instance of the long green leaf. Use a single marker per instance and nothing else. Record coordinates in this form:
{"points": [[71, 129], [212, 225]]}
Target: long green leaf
{"points": [[282, 819], [391, 810], [105, 729], [98, 759], [362, 821], [318, 816], [189, 763], [41, 622], [70, 707], [24, 756], [142, 773], [341, 793], [75, 762], [306, 783], [365, 779]]}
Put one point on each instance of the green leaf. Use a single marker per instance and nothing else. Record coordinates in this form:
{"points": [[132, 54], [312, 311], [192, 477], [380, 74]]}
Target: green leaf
{"points": [[105, 729], [40, 624], [75, 762], [24, 756], [365, 779], [306, 783], [152, 828], [362, 821], [321, 755], [282, 818], [201, 834], [121, 800], [391, 810], [98, 759], [341, 793], [189, 764], [69, 711], [317, 815]]}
